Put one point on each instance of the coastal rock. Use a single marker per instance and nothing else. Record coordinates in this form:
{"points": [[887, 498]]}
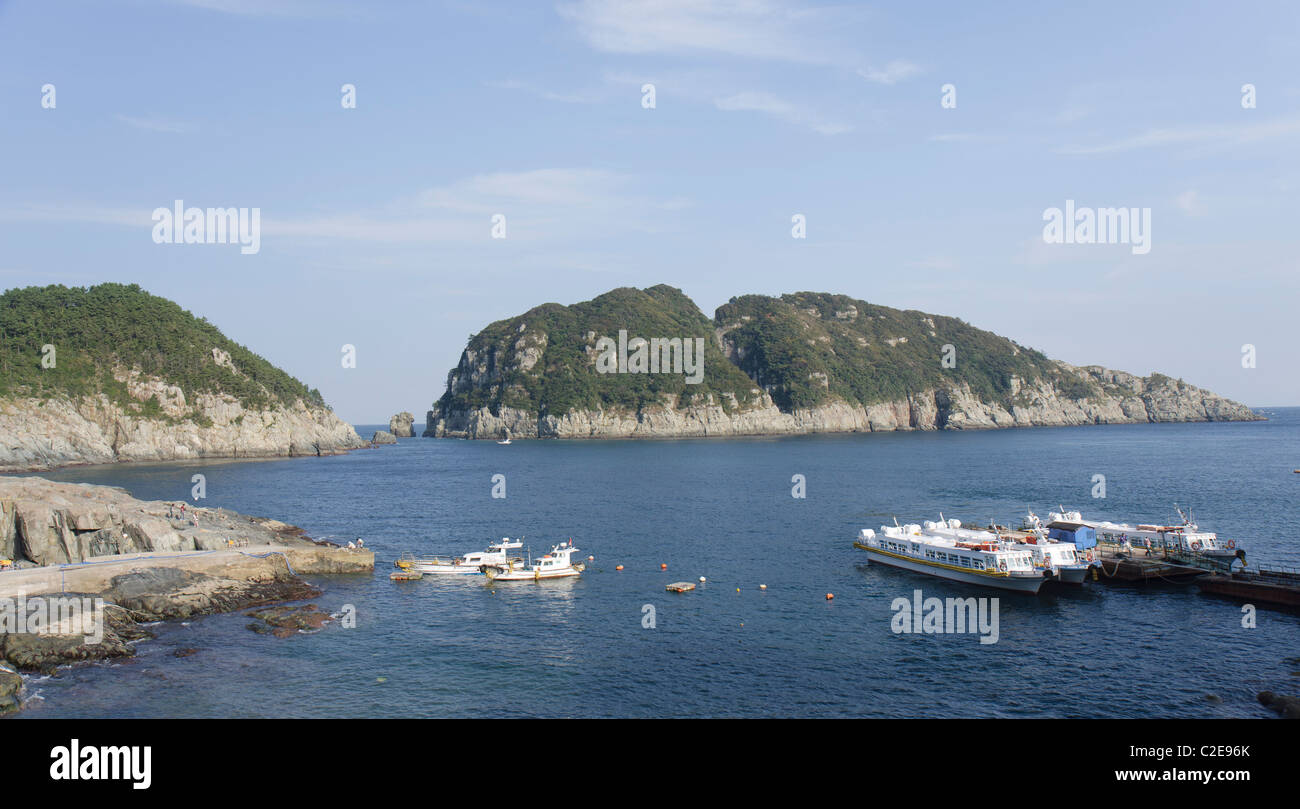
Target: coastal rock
{"points": [[254, 562], [285, 621], [11, 684], [401, 425], [383, 437], [1287, 706], [41, 434]]}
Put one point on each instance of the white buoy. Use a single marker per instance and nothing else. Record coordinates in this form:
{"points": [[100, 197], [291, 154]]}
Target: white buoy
{"points": [[762, 586], [701, 579]]}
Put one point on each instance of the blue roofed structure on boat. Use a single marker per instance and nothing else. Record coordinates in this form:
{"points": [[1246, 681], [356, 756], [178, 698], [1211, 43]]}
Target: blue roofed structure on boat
{"points": [[1083, 536]]}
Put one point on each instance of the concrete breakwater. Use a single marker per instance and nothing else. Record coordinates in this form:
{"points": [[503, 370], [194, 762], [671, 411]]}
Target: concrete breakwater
{"points": [[130, 562]]}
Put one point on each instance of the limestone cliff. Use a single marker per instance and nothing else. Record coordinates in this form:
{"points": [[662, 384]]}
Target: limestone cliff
{"points": [[111, 373], [802, 363]]}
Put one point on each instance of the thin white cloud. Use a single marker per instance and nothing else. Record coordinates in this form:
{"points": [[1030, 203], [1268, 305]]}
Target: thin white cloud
{"points": [[891, 73], [757, 29], [769, 104], [540, 205], [1218, 135], [156, 124]]}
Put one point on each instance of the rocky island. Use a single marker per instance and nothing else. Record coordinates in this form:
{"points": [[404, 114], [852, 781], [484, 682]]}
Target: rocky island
{"points": [[801, 363], [111, 373], [140, 561]]}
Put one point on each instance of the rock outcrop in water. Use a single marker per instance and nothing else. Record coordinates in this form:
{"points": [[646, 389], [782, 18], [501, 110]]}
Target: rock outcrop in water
{"points": [[401, 425], [111, 373], [802, 363], [141, 561]]}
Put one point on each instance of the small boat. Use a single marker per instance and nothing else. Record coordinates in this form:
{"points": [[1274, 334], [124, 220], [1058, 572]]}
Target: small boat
{"points": [[506, 440], [467, 565], [557, 564], [992, 563]]}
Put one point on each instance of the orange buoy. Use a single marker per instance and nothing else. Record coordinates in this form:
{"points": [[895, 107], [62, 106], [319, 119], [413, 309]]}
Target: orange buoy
{"points": [[618, 567], [663, 566], [830, 596], [762, 586]]}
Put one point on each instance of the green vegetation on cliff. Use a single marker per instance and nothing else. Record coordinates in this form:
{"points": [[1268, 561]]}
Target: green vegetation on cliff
{"points": [[805, 350], [543, 361], [100, 329], [809, 347]]}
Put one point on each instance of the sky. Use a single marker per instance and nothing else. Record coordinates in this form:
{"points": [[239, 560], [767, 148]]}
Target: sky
{"points": [[923, 144]]}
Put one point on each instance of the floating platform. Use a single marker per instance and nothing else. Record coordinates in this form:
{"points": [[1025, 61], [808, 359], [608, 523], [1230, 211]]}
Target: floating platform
{"points": [[406, 575], [680, 587], [1272, 586], [1131, 569]]}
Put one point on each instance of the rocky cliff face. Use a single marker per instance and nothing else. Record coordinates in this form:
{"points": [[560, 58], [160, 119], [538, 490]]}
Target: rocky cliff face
{"points": [[59, 431], [868, 349]]}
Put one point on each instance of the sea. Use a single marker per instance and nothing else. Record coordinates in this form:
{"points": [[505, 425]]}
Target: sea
{"points": [[790, 619]]}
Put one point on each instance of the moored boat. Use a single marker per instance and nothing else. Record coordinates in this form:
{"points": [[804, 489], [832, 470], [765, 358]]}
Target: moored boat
{"points": [[1060, 560], [974, 560], [557, 564], [467, 565], [1183, 544]]}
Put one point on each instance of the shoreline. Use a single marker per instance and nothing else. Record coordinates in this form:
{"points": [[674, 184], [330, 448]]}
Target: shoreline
{"points": [[206, 562]]}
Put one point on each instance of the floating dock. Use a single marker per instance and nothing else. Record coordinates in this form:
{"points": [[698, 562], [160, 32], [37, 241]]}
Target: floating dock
{"points": [[406, 575], [680, 587], [1272, 586]]}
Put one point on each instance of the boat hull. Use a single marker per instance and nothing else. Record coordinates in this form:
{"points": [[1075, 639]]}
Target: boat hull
{"points": [[523, 575], [1073, 575], [1019, 584]]}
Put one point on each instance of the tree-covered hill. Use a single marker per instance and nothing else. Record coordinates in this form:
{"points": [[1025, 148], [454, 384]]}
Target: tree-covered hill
{"points": [[108, 327], [808, 347], [543, 360]]}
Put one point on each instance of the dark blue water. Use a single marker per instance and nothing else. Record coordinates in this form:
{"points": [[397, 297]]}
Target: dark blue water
{"points": [[723, 509]]}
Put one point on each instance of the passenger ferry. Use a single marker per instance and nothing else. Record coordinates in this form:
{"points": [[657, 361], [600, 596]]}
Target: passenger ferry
{"points": [[469, 564], [1062, 560], [557, 564], [974, 560], [1184, 543]]}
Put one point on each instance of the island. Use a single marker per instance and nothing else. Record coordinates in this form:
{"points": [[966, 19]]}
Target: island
{"points": [[807, 362]]}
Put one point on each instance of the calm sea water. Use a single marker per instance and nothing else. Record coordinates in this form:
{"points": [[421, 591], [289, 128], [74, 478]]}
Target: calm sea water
{"points": [[723, 509]]}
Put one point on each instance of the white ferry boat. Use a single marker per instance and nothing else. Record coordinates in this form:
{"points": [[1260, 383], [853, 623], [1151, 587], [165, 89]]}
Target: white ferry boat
{"points": [[1185, 542], [498, 553], [972, 560], [1059, 559], [557, 564]]}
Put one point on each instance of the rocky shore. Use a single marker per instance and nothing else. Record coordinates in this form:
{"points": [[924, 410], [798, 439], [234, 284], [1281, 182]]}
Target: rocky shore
{"points": [[47, 433], [147, 561], [1129, 399]]}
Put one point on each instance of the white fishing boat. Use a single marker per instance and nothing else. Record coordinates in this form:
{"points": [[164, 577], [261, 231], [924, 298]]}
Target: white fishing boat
{"points": [[1184, 542], [498, 553], [557, 564], [974, 560], [1060, 560]]}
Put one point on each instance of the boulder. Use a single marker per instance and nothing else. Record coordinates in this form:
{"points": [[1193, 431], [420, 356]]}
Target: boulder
{"points": [[402, 425], [1289, 707], [383, 437], [154, 534], [10, 684]]}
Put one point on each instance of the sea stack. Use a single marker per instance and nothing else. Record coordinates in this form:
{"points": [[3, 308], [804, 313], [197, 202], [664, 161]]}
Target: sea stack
{"points": [[383, 437], [402, 425]]}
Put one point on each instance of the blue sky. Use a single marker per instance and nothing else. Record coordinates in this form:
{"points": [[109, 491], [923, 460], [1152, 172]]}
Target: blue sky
{"points": [[376, 220]]}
